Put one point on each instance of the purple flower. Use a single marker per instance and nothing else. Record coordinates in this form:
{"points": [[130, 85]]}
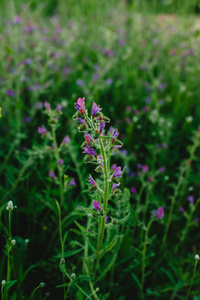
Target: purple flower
{"points": [[58, 107], [96, 205], [72, 182], [27, 61], [52, 174], [181, 209], [191, 199], [159, 213], [60, 161], [80, 105], [27, 119], [196, 220], [164, 145], [10, 93], [113, 167], [162, 169], [109, 81], [42, 130], [101, 126], [81, 121], [80, 82], [47, 105], [133, 190], [88, 137], [95, 109], [115, 185], [115, 133], [117, 172], [145, 169], [91, 181], [107, 218], [39, 105], [65, 140], [89, 150]]}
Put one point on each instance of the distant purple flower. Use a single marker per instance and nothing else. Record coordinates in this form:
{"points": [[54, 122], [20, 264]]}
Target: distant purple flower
{"points": [[181, 209], [150, 179], [27, 61], [148, 100], [139, 166], [95, 109], [133, 190], [196, 220], [47, 105], [109, 81], [39, 105], [66, 70], [80, 105], [113, 167], [80, 82], [10, 93], [58, 107], [164, 145], [115, 185], [89, 150], [145, 169], [162, 169], [65, 140], [107, 218], [159, 213], [72, 182], [162, 86], [81, 121], [108, 53], [198, 128], [42, 130], [96, 205], [52, 174], [60, 161], [88, 137], [191, 199], [101, 126], [115, 133], [18, 20], [27, 119], [117, 172], [91, 181]]}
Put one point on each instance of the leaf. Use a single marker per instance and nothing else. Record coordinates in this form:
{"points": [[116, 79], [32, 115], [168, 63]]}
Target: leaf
{"points": [[168, 274], [62, 285], [83, 229], [57, 204], [109, 246], [85, 278], [136, 279], [10, 283], [150, 292], [26, 272], [72, 252], [91, 211], [122, 221]]}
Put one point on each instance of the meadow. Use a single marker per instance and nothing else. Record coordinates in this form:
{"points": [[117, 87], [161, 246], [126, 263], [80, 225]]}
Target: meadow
{"points": [[99, 151]]}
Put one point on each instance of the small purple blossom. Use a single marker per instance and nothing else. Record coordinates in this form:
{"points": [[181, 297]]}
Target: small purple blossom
{"points": [[88, 137], [191, 199], [72, 182], [81, 121], [60, 161], [91, 181], [65, 140], [47, 105], [196, 220], [27, 61], [39, 105], [145, 169], [101, 127], [115, 185], [162, 169], [117, 172], [80, 82], [109, 81], [96, 205], [10, 93], [181, 209], [89, 150], [27, 119], [159, 213], [58, 107], [107, 218], [80, 105], [95, 109], [52, 174], [42, 130], [133, 190], [115, 133]]}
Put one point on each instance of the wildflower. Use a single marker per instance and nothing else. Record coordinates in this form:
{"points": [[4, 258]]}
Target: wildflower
{"points": [[27, 61], [39, 105], [196, 257], [13, 242], [101, 127], [107, 218], [80, 82], [27, 119], [145, 169], [3, 282], [91, 181], [88, 137], [133, 190], [52, 174], [96, 205], [10, 205], [191, 199], [42, 284], [65, 140], [80, 105], [115, 185], [162, 169], [47, 105], [113, 167], [42, 130], [150, 179], [60, 161], [58, 107], [117, 172], [95, 109], [10, 93], [89, 150], [109, 81], [159, 213], [72, 182], [181, 209], [196, 220]]}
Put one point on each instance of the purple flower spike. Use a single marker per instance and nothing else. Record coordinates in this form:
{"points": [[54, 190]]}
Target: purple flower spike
{"points": [[115, 133], [42, 130], [107, 218], [96, 205], [80, 105], [81, 121], [65, 140], [115, 185], [52, 174], [159, 213], [47, 105], [58, 107], [91, 181], [162, 169], [95, 109], [88, 137], [60, 161], [89, 150], [145, 169], [191, 199], [10, 93], [72, 182], [133, 190], [101, 127], [117, 172], [181, 209]]}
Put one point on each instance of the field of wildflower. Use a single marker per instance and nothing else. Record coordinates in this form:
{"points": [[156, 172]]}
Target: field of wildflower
{"points": [[99, 150]]}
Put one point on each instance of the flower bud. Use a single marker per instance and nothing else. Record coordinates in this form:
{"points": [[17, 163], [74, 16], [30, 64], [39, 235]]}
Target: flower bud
{"points": [[42, 284], [10, 205], [13, 242], [62, 261], [73, 276], [196, 257], [3, 282]]}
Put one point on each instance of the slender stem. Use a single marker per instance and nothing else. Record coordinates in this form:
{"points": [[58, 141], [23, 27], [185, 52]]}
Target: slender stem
{"points": [[105, 203], [144, 256], [37, 288], [8, 254], [195, 266]]}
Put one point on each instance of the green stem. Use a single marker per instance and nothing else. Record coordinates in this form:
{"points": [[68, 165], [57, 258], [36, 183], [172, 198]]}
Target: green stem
{"points": [[62, 248], [195, 266], [8, 254], [105, 203], [144, 256], [37, 288]]}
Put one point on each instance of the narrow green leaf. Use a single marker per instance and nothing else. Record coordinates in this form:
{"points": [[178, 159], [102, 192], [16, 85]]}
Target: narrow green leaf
{"points": [[122, 221], [83, 229], [136, 279], [10, 283], [57, 204], [109, 246]]}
